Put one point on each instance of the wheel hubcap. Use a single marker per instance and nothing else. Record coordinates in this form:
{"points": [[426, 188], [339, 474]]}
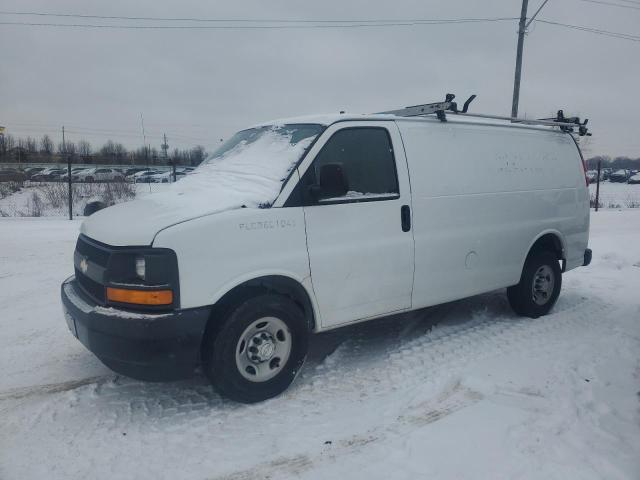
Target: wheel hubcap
{"points": [[543, 283], [263, 349]]}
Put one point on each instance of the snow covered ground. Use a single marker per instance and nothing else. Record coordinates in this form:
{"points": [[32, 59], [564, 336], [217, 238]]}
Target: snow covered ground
{"points": [[22, 204], [617, 195], [465, 390]]}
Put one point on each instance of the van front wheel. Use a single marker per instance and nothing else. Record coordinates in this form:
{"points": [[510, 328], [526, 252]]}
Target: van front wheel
{"points": [[539, 286], [258, 350]]}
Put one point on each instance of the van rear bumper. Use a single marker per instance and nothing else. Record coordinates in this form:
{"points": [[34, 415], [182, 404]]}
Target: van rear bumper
{"points": [[146, 346]]}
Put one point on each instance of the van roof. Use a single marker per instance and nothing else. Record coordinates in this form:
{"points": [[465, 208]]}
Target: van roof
{"points": [[331, 118]]}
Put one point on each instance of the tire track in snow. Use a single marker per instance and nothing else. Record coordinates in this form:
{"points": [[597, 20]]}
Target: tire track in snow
{"points": [[372, 364], [22, 392], [415, 351]]}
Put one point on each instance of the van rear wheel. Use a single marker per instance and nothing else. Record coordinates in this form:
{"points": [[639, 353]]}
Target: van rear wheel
{"points": [[258, 350], [539, 285]]}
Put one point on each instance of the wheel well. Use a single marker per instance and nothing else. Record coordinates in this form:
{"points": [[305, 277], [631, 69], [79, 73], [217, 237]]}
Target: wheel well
{"points": [[268, 284], [548, 242]]}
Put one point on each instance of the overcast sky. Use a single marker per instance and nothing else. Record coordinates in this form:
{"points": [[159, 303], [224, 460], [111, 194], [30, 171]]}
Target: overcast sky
{"points": [[198, 86]]}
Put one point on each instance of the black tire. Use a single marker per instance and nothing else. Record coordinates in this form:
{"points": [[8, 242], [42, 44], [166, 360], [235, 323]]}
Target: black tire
{"points": [[220, 346], [521, 296]]}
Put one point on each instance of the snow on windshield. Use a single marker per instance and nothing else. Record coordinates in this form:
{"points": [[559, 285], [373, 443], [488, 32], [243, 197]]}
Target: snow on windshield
{"points": [[250, 173]]}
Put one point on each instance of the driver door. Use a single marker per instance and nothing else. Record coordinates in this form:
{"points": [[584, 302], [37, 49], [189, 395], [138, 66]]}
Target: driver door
{"points": [[360, 243]]}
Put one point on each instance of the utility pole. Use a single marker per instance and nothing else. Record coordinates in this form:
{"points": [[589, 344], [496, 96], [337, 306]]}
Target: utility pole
{"points": [[522, 29], [165, 148], [69, 187], [516, 80], [144, 141]]}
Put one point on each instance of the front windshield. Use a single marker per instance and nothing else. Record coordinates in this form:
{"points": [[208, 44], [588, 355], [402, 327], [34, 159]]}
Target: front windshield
{"points": [[247, 170], [293, 133]]}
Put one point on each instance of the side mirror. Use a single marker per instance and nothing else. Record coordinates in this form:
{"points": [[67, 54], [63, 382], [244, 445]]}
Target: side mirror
{"points": [[333, 182]]}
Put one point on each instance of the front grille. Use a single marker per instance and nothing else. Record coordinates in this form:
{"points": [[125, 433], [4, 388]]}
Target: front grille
{"points": [[91, 288], [96, 254], [92, 251]]}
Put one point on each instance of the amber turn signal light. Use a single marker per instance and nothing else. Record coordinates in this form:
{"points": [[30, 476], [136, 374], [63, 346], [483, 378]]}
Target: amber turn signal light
{"points": [[140, 297]]}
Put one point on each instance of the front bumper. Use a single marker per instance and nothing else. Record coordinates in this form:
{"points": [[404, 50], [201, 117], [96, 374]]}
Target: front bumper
{"points": [[146, 346]]}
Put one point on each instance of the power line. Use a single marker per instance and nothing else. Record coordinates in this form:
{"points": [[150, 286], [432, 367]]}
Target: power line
{"points": [[245, 20], [104, 133], [622, 36], [263, 27], [601, 2]]}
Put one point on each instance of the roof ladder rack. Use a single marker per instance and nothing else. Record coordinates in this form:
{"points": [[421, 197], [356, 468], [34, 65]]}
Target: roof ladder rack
{"points": [[440, 109]]}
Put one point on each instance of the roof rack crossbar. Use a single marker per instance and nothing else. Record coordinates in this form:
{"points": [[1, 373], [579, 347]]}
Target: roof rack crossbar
{"points": [[566, 124]]}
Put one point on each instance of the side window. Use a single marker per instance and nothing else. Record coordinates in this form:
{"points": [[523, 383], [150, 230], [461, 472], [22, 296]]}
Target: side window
{"points": [[365, 156]]}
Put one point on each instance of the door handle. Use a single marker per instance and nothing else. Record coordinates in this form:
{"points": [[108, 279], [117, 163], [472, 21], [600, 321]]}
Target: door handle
{"points": [[405, 218]]}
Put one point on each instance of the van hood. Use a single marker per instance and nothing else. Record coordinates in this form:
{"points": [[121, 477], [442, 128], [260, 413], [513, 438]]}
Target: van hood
{"points": [[250, 175], [136, 223]]}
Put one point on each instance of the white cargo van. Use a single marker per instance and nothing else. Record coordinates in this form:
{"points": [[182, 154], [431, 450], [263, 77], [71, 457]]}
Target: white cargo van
{"points": [[309, 224]]}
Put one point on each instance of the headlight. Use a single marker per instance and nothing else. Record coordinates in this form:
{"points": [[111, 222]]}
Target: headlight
{"points": [[147, 276], [141, 267]]}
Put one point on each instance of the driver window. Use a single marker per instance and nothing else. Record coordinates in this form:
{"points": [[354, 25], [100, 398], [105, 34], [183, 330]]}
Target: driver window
{"points": [[365, 156]]}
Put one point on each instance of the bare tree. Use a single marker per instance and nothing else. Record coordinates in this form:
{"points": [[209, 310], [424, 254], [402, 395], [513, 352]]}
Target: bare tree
{"points": [[84, 149], [120, 151], [31, 144], [21, 152], [8, 142], [112, 151], [46, 145], [108, 149], [176, 156], [67, 149], [196, 155]]}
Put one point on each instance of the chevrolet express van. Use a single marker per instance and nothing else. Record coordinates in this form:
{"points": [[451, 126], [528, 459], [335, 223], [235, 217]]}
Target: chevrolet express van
{"points": [[309, 224]]}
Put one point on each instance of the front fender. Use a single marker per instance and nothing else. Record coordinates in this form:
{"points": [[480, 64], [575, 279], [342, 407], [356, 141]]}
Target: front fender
{"points": [[216, 253]]}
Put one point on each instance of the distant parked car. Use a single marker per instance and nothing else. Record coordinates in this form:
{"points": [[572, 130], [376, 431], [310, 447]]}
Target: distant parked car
{"points": [[592, 176], [12, 175], [634, 179], [130, 171], [100, 175], [48, 175], [31, 171], [136, 172], [75, 174], [145, 176], [166, 177], [619, 176]]}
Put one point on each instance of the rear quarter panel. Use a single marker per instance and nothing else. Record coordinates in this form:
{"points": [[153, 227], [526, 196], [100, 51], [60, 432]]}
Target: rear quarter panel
{"points": [[481, 196]]}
